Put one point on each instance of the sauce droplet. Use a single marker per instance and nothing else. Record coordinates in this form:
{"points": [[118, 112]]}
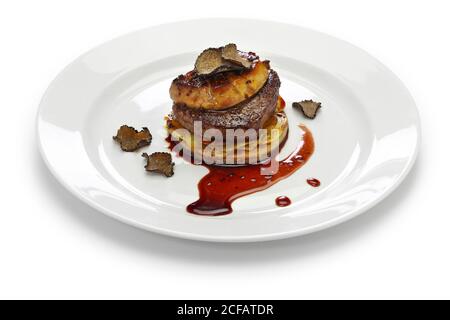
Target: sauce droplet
{"points": [[313, 182], [282, 201]]}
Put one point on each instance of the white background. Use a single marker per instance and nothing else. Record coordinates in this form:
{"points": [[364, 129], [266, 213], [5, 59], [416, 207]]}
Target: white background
{"points": [[53, 246]]}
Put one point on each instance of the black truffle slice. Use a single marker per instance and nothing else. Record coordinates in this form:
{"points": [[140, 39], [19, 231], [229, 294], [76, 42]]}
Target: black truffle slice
{"points": [[130, 139], [223, 59], [308, 107], [228, 66], [159, 162], [231, 54], [209, 61]]}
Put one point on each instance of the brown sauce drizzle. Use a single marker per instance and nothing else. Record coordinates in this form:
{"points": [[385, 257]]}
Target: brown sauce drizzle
{"points": [[222, 185]]}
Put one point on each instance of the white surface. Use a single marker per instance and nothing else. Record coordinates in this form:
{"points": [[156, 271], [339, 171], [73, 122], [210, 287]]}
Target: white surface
{"points": [[360, 154], [54, 246]]}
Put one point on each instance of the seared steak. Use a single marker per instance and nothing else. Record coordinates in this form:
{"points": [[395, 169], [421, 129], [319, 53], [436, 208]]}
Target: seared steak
{"points": [[251, 113]]}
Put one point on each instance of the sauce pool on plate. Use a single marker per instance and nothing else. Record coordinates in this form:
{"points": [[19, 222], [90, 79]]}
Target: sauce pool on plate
{"points": [[222, 185]]}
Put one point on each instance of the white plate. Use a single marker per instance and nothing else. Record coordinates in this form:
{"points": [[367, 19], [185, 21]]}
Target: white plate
{"points": [[366, 135]]}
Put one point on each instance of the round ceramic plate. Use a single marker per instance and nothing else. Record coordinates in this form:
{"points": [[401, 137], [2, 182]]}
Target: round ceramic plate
{"points": [[366, 134]]}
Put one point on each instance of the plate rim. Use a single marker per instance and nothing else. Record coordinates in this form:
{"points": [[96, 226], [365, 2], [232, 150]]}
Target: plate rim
{"points": [[235, 239]]}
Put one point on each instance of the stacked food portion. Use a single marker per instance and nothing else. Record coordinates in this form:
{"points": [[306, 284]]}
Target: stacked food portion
{"points": [[229, 91]]}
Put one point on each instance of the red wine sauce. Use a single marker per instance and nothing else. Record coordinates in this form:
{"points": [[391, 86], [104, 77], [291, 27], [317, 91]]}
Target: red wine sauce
{"points": [[282, 201], [222, 185], [313, 182]]}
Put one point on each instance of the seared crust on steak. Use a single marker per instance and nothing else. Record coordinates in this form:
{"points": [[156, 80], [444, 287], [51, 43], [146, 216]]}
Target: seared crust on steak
{"points": [[251, 113]]}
